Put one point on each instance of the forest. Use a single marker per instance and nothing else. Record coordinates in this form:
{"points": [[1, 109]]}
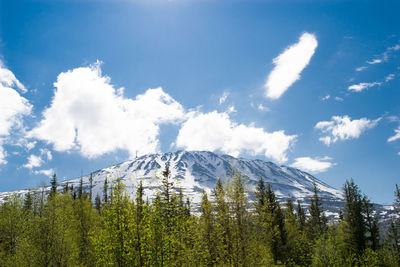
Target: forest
{"points": [[65, 228]]}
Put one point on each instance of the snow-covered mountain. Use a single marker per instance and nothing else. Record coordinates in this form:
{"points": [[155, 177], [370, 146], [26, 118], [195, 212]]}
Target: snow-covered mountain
{"points": [[196, 171]]}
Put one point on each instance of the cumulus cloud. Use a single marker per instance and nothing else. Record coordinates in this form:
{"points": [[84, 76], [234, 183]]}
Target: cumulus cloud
{"points": [[289, 65], [33, 162], [313, 165], [89, 115], [12, 106], [37, 161], [343, 128], [396, 136], [217, 132], [362, 86]]}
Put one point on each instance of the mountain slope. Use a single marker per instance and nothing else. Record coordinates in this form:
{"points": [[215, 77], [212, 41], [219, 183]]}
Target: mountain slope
{"points": [[196, 171]]}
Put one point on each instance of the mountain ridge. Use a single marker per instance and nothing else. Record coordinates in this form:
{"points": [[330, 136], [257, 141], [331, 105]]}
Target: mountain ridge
{"points": [[195, 171]]}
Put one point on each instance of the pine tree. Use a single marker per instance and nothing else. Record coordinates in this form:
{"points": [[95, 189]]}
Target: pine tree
{"points": [[353, 216], [53, 190], [207, 233], [275, 226], [301, 216], [222, 226], [139, 224], [317, 222], [105, 191], [28, 202], [260, 196], [371, 222], [240, 231]]}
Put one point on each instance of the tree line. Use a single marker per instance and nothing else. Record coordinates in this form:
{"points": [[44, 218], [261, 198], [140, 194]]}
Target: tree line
{"points": [[67, 229]]}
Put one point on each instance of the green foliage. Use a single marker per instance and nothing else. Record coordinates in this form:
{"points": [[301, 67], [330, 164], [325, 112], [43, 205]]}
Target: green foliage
{"points": [[63, 230]]}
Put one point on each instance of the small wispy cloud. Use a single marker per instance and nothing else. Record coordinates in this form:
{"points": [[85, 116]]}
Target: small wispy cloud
{"points": [[313, 165], [261, 107], [223, 98], [384, 56], [362, 86], [325, 97], [289, 64], [361, 68], [389, 77], [339, 99], [396, 136]]}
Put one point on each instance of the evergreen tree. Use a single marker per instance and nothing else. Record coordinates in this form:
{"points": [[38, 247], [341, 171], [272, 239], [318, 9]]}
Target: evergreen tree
{"points": [[140, 224], [105, 191], [355, 228], [28, 202], [371, 222], [301, 216], [275, 226], [207, 233], [222, 226], [317, 221], [260, 197], [53, 183], [240, 228]]}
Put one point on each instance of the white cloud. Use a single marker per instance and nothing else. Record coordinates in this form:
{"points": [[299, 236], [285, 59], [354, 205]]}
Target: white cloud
{"points": [[385, 55], [289, 65], [223, 98], [311, 165], [325, 97], [361, 68], [261, 107], [389, 77], [37, 161], [339, 99], [88, 114], [8, 79], [12, 107], [31, 145], [33, 162], [217, 132], [362, 86], [344, 128], [375, 61], [232, 109], [48, 172], [396, 136], [3, 153]]}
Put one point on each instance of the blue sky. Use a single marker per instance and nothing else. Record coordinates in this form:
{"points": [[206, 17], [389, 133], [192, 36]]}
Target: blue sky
{"points": [[311, 84]]}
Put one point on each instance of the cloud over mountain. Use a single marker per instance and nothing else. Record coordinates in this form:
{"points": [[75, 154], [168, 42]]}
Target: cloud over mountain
{"points": [[89, 115]]}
